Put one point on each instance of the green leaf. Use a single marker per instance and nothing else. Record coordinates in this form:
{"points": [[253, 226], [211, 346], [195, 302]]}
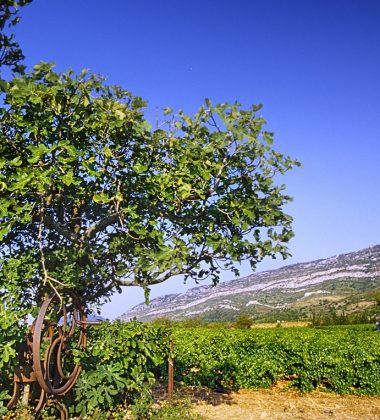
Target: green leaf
{"points": [[101, 198], [16, 161], [68, 178], [86, 101], [140, 168], [107, 152], [120, 114]]}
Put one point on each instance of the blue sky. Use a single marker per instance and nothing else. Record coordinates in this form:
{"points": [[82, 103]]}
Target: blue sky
{"points": [[315, 65]]}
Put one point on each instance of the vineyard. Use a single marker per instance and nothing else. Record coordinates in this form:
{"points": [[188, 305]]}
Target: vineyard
{"points": [[345, 360], [123, 361]]}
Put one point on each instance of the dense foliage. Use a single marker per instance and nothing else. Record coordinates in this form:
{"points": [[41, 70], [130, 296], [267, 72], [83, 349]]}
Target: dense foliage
{"points": [[121, 362], [93, 198], [10, 334], [13, 314], [339, 359], [119, 366]]}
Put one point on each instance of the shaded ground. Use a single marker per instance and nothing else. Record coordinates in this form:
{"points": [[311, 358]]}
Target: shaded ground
{"points": [[277, 404]]}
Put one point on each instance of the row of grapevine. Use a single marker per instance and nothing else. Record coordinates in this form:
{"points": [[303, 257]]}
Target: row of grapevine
{"points": [[339, 359]]}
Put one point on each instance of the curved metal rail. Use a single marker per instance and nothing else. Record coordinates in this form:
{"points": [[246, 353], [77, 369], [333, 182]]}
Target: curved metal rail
{"points": [[57, 325], [47, 368]]}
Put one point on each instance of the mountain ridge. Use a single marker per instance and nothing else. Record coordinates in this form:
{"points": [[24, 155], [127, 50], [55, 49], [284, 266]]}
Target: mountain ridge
{"points": [[296, 288]]}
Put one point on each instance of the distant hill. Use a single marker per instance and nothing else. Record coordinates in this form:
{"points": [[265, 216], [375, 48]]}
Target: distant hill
{"points": [[343, 282]]}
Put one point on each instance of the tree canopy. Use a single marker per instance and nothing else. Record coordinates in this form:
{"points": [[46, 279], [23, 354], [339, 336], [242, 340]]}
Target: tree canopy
{"points": [[10, 52], [93, 198]]}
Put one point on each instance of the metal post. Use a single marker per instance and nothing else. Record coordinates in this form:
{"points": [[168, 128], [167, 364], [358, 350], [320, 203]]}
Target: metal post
{"points": [[26, 395], [170, 369]]}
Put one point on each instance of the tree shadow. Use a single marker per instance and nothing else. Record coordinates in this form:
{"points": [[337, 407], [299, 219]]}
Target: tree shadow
{"points": [[199, 395], [195, 394]]}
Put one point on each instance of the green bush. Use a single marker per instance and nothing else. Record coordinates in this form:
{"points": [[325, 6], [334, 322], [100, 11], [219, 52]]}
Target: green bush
{"points": [[120, 364], [12, 332]]}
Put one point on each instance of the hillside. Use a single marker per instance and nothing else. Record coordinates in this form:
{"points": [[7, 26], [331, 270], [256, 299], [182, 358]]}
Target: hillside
{"points": [[343, 282]]}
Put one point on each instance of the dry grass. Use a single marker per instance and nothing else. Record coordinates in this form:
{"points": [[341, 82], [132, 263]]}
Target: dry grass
{"points": [[284, 324]]}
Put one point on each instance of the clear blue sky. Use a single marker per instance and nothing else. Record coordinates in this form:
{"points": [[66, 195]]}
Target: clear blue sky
{"points": [[314, 64]]}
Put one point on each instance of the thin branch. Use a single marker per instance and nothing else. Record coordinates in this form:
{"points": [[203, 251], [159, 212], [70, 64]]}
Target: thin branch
{"points": [[48, 280]]}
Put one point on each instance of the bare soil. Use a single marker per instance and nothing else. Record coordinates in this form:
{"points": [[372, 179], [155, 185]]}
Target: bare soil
{"points": [[278, 403], [275, 404]]}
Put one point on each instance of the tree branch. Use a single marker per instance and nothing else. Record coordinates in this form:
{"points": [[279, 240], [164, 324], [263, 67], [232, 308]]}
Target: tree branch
{"points": [[59, 228], [98, 227]]}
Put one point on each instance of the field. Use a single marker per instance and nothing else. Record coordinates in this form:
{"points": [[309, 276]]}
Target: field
{"points": [[340, 359], [297, 366]]}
